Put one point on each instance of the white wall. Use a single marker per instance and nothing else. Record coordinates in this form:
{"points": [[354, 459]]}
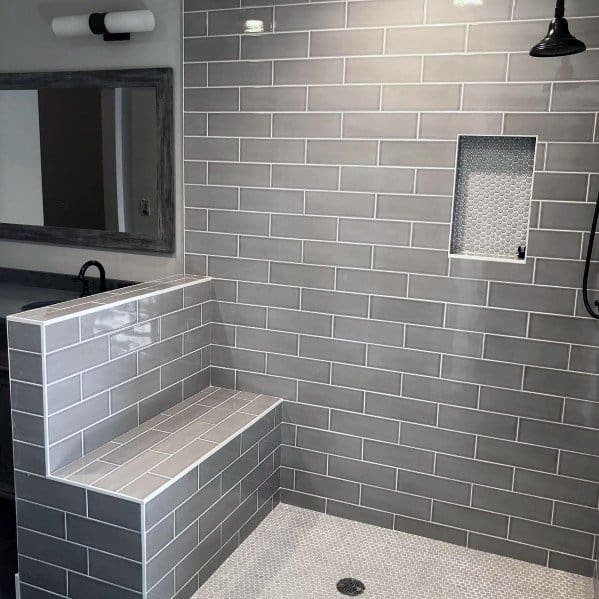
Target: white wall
{"points": [[21, 196], [28, 44]]}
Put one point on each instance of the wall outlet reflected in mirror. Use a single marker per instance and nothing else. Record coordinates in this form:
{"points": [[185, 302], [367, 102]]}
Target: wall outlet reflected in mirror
{"points": [[145, 207]]}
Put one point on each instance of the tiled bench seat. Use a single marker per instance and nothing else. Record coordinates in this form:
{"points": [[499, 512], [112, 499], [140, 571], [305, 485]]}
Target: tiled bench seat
{"points": [[185, 489], [143, 462]]}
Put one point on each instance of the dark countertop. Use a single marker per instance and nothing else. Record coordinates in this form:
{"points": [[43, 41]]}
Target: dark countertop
{"points": [[13, 296], [21, 287]]}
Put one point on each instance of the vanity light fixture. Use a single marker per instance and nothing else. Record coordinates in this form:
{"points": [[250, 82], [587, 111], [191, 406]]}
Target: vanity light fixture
{"points": [[114, 26]]}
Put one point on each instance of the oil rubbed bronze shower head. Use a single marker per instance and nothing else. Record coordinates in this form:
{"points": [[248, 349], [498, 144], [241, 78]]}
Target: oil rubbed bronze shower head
{"points": [[558, 41]]}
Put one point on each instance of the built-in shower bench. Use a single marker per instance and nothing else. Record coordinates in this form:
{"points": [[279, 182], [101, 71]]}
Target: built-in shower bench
{"points": [[145, 461], [200, 472]]}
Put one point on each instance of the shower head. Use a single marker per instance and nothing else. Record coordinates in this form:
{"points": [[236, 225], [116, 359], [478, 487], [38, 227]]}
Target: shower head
{"points": [[558, 41]]}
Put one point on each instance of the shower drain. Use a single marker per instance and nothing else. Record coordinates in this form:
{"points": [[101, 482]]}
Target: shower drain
{"points": [[350, 586]]}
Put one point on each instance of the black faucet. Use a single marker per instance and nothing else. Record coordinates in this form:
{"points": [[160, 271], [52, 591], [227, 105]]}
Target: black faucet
{"points": [[85, 282]]}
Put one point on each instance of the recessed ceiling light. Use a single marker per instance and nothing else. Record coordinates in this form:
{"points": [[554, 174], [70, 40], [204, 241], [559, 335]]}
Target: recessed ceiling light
{"points": [[462, 3], [253, 26]]}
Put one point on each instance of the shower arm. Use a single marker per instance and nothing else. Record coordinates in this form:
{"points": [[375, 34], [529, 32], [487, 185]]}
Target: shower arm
{"points": [[587, 267]]}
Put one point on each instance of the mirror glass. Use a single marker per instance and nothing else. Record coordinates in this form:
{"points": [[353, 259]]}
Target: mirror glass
{"points": [[80, 158]]}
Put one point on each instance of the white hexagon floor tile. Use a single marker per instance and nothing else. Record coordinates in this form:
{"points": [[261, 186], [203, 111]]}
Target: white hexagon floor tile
{"points": [[297, 553]]}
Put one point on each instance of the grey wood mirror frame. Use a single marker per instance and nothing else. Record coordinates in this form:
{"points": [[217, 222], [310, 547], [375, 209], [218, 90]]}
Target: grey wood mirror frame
{"points": [[161, 79]]}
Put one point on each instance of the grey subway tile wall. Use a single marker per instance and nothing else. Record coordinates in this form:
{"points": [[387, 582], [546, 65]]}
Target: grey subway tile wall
{"points": [[328, 220]]}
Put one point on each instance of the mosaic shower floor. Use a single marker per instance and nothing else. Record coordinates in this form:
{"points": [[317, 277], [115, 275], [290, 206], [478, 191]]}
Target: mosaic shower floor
{"points": [[297, 553]]}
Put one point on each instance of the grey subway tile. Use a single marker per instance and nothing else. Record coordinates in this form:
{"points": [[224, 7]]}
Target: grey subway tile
{"points": [[305, 275], [359, 471], [134, 338], [430, 530], [310, 16], [277, 45], [439, 390], [521, 403], [78, 417], [418, 40], [406, 310], [470, 67], [418, 153], [109, 375], [273, 99], [524, 68], [108, 320], [435, 439], [324, 486], [423, 97], [76, 358], [474, 471], [472, 519], [502, 96], [439, 11], [52, 550], [411, 260], [517, 454], [308, 71], [211, 48], [334, 302], [157, 305], [508, 549], [27, 336], [534, 533], [399, 408], [473, 421], [306, 125], [426, 485], [385, 69], [398, 456], [365, 426], [404, 360], [271, 150], [395, 502], [134, 391], [412, 207], [305, 176], [328, 442], [337, 254], [330, 397], [384, 12], [368, 281], [368, 379], [343, 97], [303, 368], [553, 355]]}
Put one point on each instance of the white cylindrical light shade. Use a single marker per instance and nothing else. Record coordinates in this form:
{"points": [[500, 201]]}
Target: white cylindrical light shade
{"points": [[71, 26], [132, 21]]}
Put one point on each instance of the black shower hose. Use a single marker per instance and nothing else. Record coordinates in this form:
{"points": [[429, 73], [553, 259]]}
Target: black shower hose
{"points": [[587, 267]]}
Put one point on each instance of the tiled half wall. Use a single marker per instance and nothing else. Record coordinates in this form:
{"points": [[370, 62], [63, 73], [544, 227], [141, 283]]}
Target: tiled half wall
{"points": [[87, 371], [459, 396]]}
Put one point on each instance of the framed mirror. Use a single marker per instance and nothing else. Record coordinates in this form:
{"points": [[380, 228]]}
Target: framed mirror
{"points": [[86, 159]]}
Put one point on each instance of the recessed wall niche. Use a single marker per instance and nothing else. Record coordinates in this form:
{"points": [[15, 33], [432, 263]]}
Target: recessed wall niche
{"points": [[492, 196]]}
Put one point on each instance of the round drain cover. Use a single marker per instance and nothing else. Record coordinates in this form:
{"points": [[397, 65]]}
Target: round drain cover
{"points": [[350, 586]]}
